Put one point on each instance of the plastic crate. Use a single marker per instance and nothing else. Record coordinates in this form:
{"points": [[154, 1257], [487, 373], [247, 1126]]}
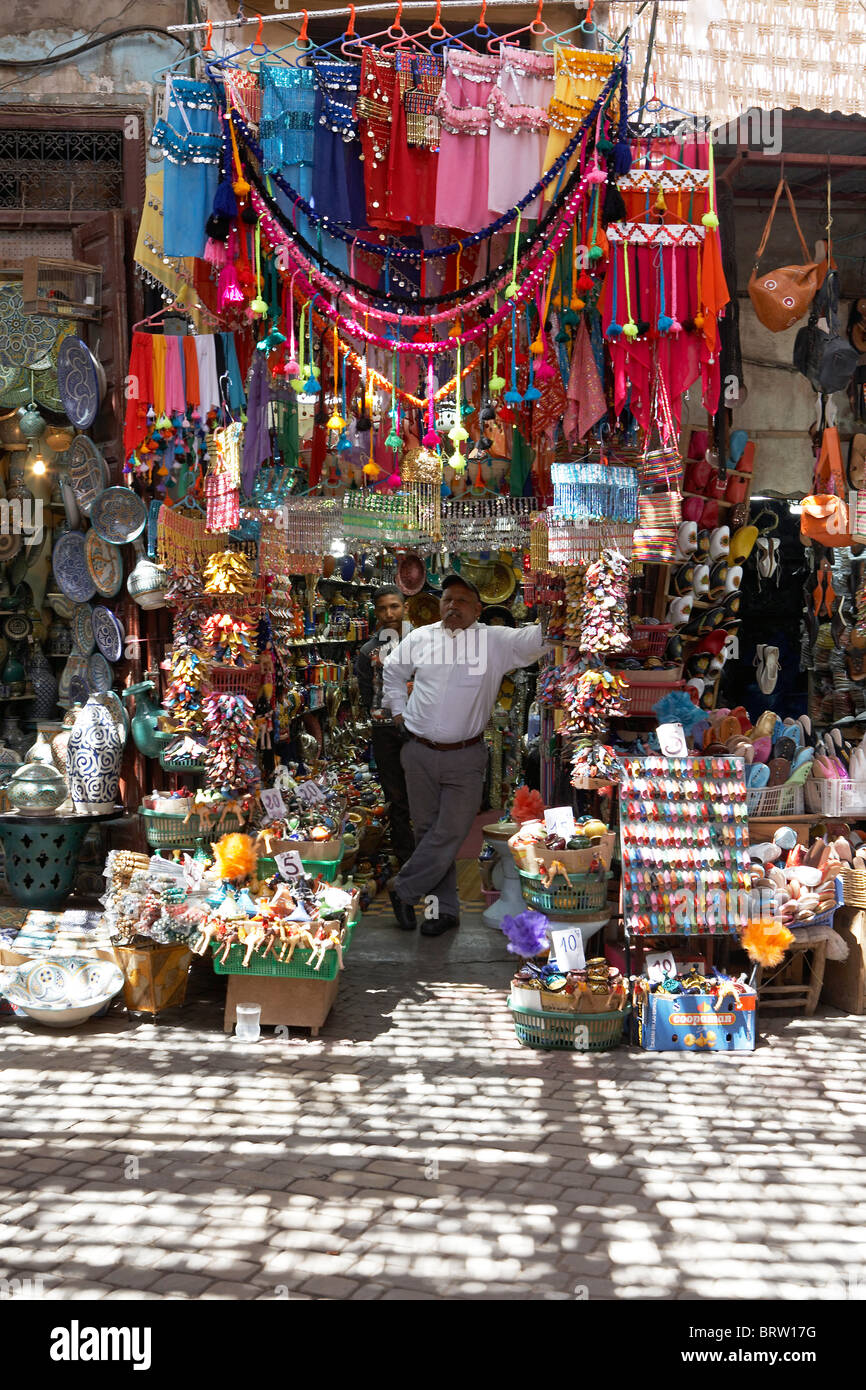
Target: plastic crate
{"points": [[179, 832], [298, 968], [576, 893], [650, 639], [570, 1032], [326, 869], [643, 697], [833, 796], [774, 801], [186, 764], [236, 680]]}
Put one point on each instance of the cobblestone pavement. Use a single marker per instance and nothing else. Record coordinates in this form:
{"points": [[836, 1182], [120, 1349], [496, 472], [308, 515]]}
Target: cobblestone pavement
{"points": [[416, 1150]]}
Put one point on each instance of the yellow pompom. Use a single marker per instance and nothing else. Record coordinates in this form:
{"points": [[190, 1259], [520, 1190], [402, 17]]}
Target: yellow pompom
{"points": [[235, 857]]}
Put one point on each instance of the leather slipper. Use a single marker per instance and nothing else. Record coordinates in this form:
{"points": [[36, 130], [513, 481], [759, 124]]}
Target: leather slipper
{"points": [[784, 748], [780, 771]]}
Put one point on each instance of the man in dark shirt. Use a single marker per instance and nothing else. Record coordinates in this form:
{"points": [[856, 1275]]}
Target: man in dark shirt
{"points": [[386, 738]]}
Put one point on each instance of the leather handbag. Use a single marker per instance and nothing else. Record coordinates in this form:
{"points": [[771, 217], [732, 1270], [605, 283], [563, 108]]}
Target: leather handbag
{"points": [[782, 296], [824, 517]]}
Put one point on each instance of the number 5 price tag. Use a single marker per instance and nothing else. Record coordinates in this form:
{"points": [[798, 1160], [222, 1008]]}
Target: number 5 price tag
{"points": [[567, 944], [273, 803], [289, 864]]}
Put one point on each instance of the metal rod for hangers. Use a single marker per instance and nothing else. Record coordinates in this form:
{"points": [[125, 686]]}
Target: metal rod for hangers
{"points": [[360, 10]]}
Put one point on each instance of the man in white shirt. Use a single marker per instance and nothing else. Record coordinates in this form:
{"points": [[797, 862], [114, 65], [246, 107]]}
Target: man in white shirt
{"points": [[456, 667]]}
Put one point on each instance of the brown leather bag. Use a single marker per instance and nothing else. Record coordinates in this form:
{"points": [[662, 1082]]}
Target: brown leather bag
{"points": [[825, 514], [782, 296]]}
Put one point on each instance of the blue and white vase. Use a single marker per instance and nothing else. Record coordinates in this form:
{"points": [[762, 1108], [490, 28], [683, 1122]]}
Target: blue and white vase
{"points": [[93, 757]]}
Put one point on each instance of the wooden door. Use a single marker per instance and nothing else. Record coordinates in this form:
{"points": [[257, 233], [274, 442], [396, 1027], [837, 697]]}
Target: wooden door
{"points": [[101, 241]]}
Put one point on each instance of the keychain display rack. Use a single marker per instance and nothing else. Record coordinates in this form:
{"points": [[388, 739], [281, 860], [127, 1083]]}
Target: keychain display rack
{"points": [[685, 847]]}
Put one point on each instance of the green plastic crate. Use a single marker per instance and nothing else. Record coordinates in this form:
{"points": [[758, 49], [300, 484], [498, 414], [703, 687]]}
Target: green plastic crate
{"points": [[326, 869], [164, 830], [295, 969], [558, 1032], [567, 893]]}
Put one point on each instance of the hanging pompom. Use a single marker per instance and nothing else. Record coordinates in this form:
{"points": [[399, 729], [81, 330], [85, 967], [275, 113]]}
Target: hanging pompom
{"points": [[336, 422], [343, 443], [531, 394], [576, 304], [225, 204], [613, 209], [665, 323], [372, 470], [430, 440], [660, 206], [630, 329], [259, 306], [249, 215], [544, 371], [219, 228], [676, 326], [394, 440], [614, 330], [228, 289], [595, 253], [291, 369], [584, 282], [597, 175], [240, 186], [710, 219], [214, 252], [513, 398], [699, 321], [457, 461], [537, 345], [393, 482], [311, 387], [496, 384], [621, 158], [512, 289]]}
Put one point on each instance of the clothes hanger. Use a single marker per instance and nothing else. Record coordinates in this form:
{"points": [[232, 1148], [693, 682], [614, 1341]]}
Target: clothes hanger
{"points": [[537, 26], [188, 55], [361, 42], [174, 308], [586, 26], [435, 30], [481, 29]]}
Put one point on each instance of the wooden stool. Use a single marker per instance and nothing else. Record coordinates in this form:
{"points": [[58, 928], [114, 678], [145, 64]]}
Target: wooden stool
{"points": [[785, 996]]}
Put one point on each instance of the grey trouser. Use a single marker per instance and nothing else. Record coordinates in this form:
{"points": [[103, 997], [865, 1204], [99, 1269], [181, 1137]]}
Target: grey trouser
{"points": [[444, 799]]}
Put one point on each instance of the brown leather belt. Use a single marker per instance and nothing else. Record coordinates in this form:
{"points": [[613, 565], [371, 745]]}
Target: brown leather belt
{"points": [[445, 747]]}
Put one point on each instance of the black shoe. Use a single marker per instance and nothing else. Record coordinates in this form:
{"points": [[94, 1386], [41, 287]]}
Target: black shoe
{"points": [[437, 925], [404, 913]]}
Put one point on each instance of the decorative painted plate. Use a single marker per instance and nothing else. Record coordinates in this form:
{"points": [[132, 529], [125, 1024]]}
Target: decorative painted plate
{"points": [[78, 382], [119, 515], [71, 569], [99, 674], [17, 627], [82, 629], [108, 633], [62, 606], [9, 546], [87, 472], [104, 564]]}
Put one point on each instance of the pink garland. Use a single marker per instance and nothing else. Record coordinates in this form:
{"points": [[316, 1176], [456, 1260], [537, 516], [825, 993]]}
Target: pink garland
{"points": [[435, 347]]}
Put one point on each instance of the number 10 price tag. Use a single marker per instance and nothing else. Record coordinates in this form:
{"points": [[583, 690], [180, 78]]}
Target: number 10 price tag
{"points": [[567, 944]]}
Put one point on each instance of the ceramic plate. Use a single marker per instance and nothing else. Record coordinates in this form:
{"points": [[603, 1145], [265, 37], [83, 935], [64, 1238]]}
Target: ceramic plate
{"points": [[82, 629], [9, 546], [104, 564], [62, 606], [108, 633], [71, 569], [17, 628], [119, 515], [99, 675], [78, 382], [87, 472]]}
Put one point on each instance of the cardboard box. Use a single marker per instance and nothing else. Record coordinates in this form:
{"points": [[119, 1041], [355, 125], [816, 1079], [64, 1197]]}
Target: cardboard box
{"points": [[690, 1023], [296, 1003]]}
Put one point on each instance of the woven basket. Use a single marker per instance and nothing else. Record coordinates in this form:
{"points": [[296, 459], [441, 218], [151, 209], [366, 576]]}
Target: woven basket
{"points": [[854, 887], [236, 680]]}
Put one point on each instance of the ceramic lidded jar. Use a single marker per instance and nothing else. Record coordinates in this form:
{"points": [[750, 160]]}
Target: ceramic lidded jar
{"points": [[36, 787], [93, 757], [148, 582]]}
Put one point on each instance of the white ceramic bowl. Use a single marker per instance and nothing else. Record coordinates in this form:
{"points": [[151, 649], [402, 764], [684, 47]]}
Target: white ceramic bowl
{"points": [[61, 990]]}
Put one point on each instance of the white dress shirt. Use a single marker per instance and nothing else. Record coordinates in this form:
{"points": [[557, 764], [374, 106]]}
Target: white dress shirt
{"points": [[456, 676]]}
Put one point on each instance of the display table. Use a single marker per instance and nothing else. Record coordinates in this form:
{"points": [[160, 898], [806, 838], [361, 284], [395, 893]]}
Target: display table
{"points": [[41, 849], [504, 876]]}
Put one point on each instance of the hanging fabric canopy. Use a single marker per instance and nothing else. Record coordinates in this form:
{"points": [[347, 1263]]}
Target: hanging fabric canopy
{"points": [[720, 57]]}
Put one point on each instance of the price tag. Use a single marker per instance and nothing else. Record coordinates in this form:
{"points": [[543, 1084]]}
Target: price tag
{"points": [[526, 999], [289, 864], [559, 820], [273, 803], [567, 944], [308, 793], [660, 965]]}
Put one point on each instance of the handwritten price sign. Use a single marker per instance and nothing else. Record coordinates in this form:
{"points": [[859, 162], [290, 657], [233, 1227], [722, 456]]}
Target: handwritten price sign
{"points": [[567, 945], [273, 803], [309, 793], [289, 864]]}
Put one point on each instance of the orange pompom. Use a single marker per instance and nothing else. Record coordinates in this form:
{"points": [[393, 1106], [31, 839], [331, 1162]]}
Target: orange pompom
{"points": [[235, 857], [766, 942], [527, 805]]}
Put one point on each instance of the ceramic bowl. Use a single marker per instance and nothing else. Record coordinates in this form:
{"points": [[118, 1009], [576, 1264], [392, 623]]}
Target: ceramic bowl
{"points": [[61, 990]]}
